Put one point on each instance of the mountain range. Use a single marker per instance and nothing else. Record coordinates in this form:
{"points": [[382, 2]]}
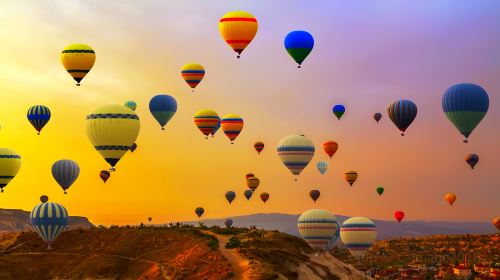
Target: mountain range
{"points": [[19, 220]]}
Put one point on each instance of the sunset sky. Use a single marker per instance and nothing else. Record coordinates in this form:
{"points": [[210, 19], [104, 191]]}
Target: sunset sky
{"points": [[366, 54]]}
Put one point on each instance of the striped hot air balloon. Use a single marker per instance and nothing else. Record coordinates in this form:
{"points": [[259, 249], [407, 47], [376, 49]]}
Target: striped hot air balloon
{"points": [[358, 235], [319, 228], [258, 146], [350, 177], [330, 148], [38, 116], [10, 163], [402, 113], [78, 59], [232, 125], [163, 108], [65, 172], [238, 28], [104, 174], [207, 121], [295, 151], [49, 219], [112, 129], [193, 73], [253, 183], [264, 197], [131, 104], [322, 166]]}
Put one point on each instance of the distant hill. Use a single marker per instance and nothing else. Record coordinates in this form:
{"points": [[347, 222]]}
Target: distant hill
{"points": [[12, 220], [386, 229]]}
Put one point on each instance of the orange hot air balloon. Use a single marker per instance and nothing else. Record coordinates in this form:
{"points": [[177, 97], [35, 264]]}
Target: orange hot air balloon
{"points": [[249, 175], [232, 125], [450, 197], [238, 29], [259, 146], [330, 148], [496, 222]]}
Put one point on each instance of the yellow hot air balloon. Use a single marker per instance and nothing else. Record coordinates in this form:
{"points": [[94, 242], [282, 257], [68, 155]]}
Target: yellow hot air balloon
{"points": [[10, 163], [450, 198], [193, 73], [206, 120], [112, 129], [238, 28], [78, 59], [351, 176]]}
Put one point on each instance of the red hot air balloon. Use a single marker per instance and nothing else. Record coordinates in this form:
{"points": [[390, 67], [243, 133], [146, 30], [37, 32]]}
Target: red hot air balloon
{"points": [[314, 194], [249, 175], [399, 215], [259, 146], [105, 175], [264, 196], [330, 148]]}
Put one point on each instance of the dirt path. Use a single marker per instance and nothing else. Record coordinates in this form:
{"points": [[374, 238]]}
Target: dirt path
{"points": [[241, 267]]}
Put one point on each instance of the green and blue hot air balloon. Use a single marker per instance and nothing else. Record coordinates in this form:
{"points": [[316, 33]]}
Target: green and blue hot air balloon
{"points": [[38, 116], [163, 108], [338, 110], [299, 45]]}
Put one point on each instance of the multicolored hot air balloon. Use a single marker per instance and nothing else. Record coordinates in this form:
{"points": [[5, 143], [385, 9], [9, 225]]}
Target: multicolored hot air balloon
{"points": [[450, 198], [350, 177], [230, 196], [264, 197], [380, 190], [465, 105], [232, 125], [496, 222], [207, 121], [399, 215], [402, 113], [131, 104], [228, 223], [377, 117], [199, 211], [112, 129], [249, 175], [259, 146], [238, 29], [65, 172], [44, 198], [78, 59], [319, 228], [338, 110], [133, 147], [163, 108], [38, 116], [322, 167], [299, 44], [193, 73], [104, 175], [253, 183], [358, 235], [49, 219], [472, 160], [295, 151], [217, 127], [330, 148], [314, 194], [248, 194], [10, 163]]}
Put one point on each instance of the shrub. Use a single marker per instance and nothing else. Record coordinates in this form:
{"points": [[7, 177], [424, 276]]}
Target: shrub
{"points": [[233, 242]]}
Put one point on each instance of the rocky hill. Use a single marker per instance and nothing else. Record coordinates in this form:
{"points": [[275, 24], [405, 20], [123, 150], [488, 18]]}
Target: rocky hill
{"points": [[12, 220]]}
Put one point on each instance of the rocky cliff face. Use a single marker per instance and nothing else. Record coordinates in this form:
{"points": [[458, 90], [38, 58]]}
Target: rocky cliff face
{"points": [[12, 220]]}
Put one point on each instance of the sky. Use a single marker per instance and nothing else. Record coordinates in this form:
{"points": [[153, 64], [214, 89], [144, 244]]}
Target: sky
{"points": [[366, 55]]}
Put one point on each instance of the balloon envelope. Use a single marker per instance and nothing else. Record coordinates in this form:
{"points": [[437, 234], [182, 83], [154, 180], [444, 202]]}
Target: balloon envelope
{"points": [[314, 194], [104, 174], [319, 228], [163, 108], [78, 59], [295, 151], [450, 198], [131, 104], [10, 163], [193, 73], [402, 113], [358, 235], [228, 223], [338, 110], [399, 215], [380, 190], [258, 146], [253, 183], [49, 219], [472, 160], [44, 198], [207, 121], [232, 125], [351, 177], [264, 197], [299, 44], [199, 211], [230, 196], [377, 117], [496, 222], [238, 28], [322, 167], [38, 116], [65, 172], [248, 194], [330, 148]]}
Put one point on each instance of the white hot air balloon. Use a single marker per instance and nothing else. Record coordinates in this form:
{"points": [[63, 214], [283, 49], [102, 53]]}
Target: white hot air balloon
{"points": [[358, 235], [295, 151], [319, 228], [322, 167]]}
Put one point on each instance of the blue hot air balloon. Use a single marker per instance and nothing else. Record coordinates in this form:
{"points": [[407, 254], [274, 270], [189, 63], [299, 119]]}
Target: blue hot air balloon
{"points": [[299, 44], [248, 194], [199, 211], [230, 196], [338, 110], [465, 105], [402, 113], [49, 219], [38, 116], [228, 223], [163, 108]]}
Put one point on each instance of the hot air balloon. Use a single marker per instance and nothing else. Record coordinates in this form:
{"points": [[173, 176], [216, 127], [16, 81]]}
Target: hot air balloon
{"points": [[253, 183], [228, 223], [238, 28], [299, 44], [131, 104], [248, 194], [380, 190], [249, 175], [10, 163], [104, 175], [319, 228], [295, 151], [330, 148], [163, 108], [402, 113], [472, 160], [215, 129], [496, 222], [338, 110], [314, 194], [465, 105], [399, 215], [207, 121], [322, 167], [133, 147], [44, 198], [264, 197], [78, 59], [112, 129], [232, 125], [48, 220], [358, 235], [350, 177], [65, 172], [377, 117], [259, 146], [230, 196], [199, 211], [450, 198], [38, 116], [150, 219], [193, 73]]}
